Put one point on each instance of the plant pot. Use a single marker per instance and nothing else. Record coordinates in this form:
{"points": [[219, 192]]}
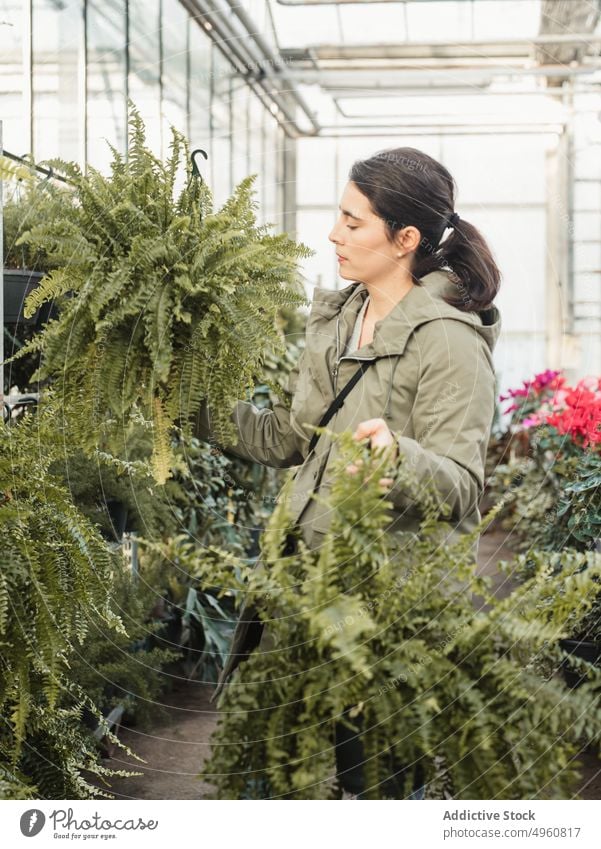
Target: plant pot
{"points": [[586, 649], [112, 723], [118, 515], [18, 283]]}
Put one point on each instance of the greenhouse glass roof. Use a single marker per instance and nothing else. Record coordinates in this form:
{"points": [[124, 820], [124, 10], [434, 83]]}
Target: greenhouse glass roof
{"points": [[360, 65]]}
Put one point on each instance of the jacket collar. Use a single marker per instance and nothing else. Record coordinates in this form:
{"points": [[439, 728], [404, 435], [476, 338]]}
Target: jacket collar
{"points": [[422, 303]]}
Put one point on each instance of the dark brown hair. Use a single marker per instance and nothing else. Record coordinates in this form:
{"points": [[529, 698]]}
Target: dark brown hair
{"points": [[407, 187]]}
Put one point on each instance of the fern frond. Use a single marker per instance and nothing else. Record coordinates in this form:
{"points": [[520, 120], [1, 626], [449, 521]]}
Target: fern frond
{"points": [[162, 458]]}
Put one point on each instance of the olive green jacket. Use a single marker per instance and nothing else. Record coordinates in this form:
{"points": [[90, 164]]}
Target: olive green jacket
{"points": [[433, 382]]}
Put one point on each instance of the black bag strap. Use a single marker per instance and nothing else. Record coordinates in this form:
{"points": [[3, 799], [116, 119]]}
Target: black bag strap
{"points": [[339, 401]]}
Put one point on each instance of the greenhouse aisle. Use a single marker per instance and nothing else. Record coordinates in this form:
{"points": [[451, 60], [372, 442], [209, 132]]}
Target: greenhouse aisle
{"points": [[177, 746], [174, 749]]}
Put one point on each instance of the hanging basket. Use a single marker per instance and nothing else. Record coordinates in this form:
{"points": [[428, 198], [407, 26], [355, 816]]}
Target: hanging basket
{"points": [[18, 283], [589, 650]]}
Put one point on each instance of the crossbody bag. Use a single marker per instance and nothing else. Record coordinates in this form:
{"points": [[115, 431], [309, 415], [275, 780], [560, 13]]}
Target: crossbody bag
{"points": [[249, 628]]}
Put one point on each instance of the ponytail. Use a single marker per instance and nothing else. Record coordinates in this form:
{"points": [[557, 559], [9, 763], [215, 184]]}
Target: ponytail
{"points": [[466, 254]]}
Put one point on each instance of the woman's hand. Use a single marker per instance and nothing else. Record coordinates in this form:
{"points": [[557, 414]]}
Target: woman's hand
{"points": [[380, 436]]}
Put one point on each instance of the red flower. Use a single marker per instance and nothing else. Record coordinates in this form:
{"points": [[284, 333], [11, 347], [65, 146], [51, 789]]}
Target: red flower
{"points": [[581, 418]]}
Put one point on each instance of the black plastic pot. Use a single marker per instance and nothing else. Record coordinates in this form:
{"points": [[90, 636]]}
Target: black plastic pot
{"points": [[587, 650], [18, 284], [119, 518]]}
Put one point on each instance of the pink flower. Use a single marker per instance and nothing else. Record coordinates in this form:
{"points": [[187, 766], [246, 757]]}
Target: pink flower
{"points": [[539, 388], [548, 379]]}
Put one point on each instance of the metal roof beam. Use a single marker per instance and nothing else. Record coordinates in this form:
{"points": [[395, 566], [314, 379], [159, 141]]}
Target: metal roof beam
{"points": [[452, 90], [365, 130], [412, 78], [246, 54], [505, 47], [354, 2]]}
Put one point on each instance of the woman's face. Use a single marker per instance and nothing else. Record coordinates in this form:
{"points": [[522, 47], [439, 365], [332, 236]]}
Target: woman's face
{"points": [[364, 252]]}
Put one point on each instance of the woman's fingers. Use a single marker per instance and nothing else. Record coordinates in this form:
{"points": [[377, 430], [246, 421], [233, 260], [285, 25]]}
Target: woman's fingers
{"points": [[353, 468], [379, 434], [376, 429]]}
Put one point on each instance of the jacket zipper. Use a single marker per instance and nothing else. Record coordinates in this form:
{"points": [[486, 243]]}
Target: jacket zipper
{"points": [[348, 357], [335, 372]]}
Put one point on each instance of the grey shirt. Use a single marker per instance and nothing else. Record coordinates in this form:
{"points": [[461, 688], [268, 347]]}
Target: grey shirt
{"points": [[352, 343]]}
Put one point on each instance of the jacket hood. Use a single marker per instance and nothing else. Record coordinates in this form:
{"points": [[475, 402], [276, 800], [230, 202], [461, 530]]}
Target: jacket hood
{"points": [[424, 302]]}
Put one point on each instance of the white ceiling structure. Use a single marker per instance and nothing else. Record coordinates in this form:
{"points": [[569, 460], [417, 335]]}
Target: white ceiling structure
{"points": [[343, 75], [355, 66]]}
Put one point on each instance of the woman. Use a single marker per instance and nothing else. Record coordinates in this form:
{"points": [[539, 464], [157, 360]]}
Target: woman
{"points": [[420, 310]]}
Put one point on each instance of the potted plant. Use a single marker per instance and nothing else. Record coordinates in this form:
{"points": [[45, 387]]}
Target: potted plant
{"points": [[381, 636], [172, 302], [199, 624], [124, 673], [586, 644], [119, 495], [582, 621], [55, 573], [24, 266], [18, 285], [550, 487], [578, 513]]}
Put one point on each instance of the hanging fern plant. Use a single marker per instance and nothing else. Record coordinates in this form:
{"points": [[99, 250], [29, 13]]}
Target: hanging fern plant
{"points": [[163, 301]]}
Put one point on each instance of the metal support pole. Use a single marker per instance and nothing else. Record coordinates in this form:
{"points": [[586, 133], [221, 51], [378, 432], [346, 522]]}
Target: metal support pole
{"points": [[1, 282]]}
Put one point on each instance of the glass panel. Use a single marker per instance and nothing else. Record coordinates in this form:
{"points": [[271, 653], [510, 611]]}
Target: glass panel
{"points": [[316, 171], [349, 149], [57, 107], [145, 67], [221, 131], [175, 71], [239, 130], [453, 20], [260, 14], [488, 170], [510, 18], [271, 173], [105, 34], [299, 26], [257, 114], [518, 244], [321, 269], [12, 98], [376, 23], [200, 90]]}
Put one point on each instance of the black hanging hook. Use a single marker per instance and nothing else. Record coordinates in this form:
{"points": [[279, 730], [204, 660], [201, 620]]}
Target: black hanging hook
{"points": [[25, 160], [195, 171], [49, 172]]}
